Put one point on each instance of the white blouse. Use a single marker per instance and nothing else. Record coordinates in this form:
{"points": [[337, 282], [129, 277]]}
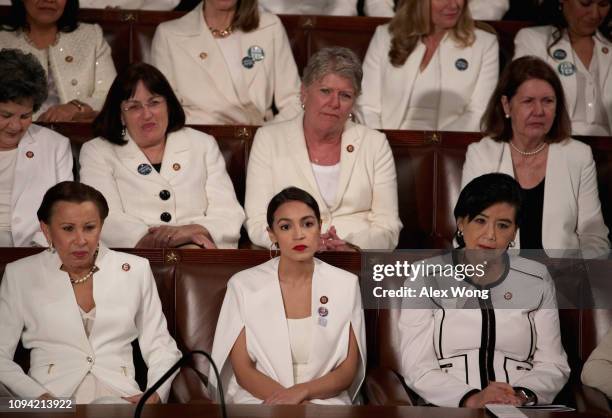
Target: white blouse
{"points": [[422, 112], [327, 177], [300, 337], [589, 116], [8, 159]]}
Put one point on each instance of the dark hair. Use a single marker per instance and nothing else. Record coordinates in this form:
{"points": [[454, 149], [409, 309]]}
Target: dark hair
{"points": [[291, 194], [497, 126], [551, 13], [17, 20], [485, 191], [71, 191], [23, 78], [108, 123]]}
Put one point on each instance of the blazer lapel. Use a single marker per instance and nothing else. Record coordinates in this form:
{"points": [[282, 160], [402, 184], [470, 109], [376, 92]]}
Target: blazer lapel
{"points": [[132, 158], [299, 153], [603, 51], [570, 85], [555, 185], [176, 156], [347, 160], [23, 166]]}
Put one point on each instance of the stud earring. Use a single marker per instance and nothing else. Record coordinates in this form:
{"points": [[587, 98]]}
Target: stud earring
{"points": [[51, 249], [123, 131], [507, 115], [511, 244]]}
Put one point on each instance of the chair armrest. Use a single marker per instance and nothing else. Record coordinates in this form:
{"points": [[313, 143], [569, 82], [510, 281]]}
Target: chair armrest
{"points": [[384, 387], [590, 400]]}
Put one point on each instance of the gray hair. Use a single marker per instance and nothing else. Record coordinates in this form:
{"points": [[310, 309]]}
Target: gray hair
{"points": [[334, 60], [23, 78]]}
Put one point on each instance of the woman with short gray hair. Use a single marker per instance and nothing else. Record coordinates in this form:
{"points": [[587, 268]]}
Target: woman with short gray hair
{"points": [[32, 158], [346, 167]]}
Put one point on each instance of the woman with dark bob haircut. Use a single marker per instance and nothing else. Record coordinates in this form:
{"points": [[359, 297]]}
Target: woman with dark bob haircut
{"points": [[166, 185], [443, 339], [32, 158], [528, 137], [74, 55], [268, 342], [576, 42], [81, 340]]}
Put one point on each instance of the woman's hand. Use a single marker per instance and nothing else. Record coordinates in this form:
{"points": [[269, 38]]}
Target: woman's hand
{"points": [[63, 113], [136, 398], [288, 396], [330, 241], [496, 392], [175, 236]]}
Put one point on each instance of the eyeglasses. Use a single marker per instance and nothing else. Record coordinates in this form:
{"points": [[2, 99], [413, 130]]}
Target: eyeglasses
{"points": [[134, 107]]}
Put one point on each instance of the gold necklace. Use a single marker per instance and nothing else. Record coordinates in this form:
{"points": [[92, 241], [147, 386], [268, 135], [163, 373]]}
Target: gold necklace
{"points": [[86, 277], [224, 33]]}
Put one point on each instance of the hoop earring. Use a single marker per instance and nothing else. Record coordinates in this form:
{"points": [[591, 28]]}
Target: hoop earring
{"points": [[351, 117], [459, 233], [274, 246], [302, 106], [511, 244], [51, 248]]}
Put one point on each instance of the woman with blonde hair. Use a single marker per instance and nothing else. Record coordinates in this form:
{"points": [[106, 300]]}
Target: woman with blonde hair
{"points": [[448, 66]]}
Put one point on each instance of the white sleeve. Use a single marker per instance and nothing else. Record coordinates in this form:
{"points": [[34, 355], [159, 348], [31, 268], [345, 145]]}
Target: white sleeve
{"points": [[597, 371], [161, 58], [158, 348], [370, 100], [343, 8], [286, 78], [472, 167], [379, 8], [120, 228], [104, 71], [159, 4], [524, 44], [488, 9], [11, 327]]}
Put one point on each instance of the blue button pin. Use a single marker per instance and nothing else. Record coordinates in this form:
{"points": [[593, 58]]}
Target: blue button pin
{"points": [[145, 169], [461, 64], [559, 54], [566, 68], [247, 62], [256, 52]]}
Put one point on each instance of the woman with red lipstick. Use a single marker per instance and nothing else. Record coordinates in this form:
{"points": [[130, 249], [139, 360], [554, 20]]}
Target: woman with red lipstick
{"points": [[503, 348], [166, 185], [429, 69], [74, 55], [528, 130], [577, 43], [347, 167], [78, 307], [291, 330]]}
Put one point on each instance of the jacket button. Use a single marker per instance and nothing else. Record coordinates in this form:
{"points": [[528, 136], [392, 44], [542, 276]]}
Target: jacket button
{"points": [[166, 217], [74, 82], [89, 359], [164, 195]]}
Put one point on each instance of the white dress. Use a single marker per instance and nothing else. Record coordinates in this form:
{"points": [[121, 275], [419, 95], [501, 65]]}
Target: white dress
{"points": [[300, 341]]}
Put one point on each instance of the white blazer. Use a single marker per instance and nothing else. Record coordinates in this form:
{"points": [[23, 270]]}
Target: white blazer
{"points": [[81, 63], [572, 216], [130, 4], [480, 9], [442, 341], [193, 172], [365, 211], [535, 41], [464, 94], [37, 304], [253, 301], [310, 7], [188, 55], [44, 158]]}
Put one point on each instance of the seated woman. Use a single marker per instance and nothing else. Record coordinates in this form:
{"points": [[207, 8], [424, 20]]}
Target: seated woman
{"points": [[80, 339], [528, 138], [348, 168], [291, 330], [483, 352], [479, 9], [311, 7], [166, 185], [74, 55], [577, 44], [430, 68], [32, 158], [597, 371], [228, 64]]}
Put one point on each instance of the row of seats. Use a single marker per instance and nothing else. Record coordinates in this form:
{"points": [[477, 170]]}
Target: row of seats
{"points": [[428, 165], [130, 33], [192, 284]]}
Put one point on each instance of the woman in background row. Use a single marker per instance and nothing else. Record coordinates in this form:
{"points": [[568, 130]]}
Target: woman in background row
{"points": [[166, 185], [348, 168], [479, 9], [310, 7], [578, 45], [32, 158], [291, 330], [130, 4], [528, 138], [74, 55], [430, 68], [228, 64]]}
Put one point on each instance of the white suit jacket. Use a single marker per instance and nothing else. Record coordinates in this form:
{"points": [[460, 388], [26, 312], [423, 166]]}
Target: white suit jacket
{"points": [[441, 345], [572, 216], [535, 41], [253, 301], [188, 55], [130, 4], [464, 94], [365, 211], [37, 304], [310, 7], [193, 172], [44, 158], [81, 63], [480, 9]]}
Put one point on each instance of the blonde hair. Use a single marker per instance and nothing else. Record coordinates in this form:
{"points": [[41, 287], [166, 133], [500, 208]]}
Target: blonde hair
{"points": [[412, 21]]}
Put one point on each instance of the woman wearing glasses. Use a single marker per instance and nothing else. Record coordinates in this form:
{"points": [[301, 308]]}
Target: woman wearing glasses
{"points": [[166, 185]]}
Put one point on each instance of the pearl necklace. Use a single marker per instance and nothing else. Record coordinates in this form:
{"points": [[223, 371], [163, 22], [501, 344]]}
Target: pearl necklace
{"points": [[86, 277], [224, 33], [528, 153]]}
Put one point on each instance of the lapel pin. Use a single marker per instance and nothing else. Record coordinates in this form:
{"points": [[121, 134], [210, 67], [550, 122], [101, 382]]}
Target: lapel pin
{"points": [[323, 299], [566, 68], [125, 267], [323, 311], [350, 148], [203, 55], [508, 295], [247, 62], [559, 54], [176, 166], [461, 64], [69, 58], [256, 53], [30, 154], [323, 322], [605, 50], [145, 169]]}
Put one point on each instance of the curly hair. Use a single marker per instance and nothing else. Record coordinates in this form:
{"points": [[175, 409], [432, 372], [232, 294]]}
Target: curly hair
{"points": [[17, 17], [23, 78]]}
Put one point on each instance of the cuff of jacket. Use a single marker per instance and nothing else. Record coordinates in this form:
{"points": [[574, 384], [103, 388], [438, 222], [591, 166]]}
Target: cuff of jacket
{"points": [[530, 393], [465, 397]]}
